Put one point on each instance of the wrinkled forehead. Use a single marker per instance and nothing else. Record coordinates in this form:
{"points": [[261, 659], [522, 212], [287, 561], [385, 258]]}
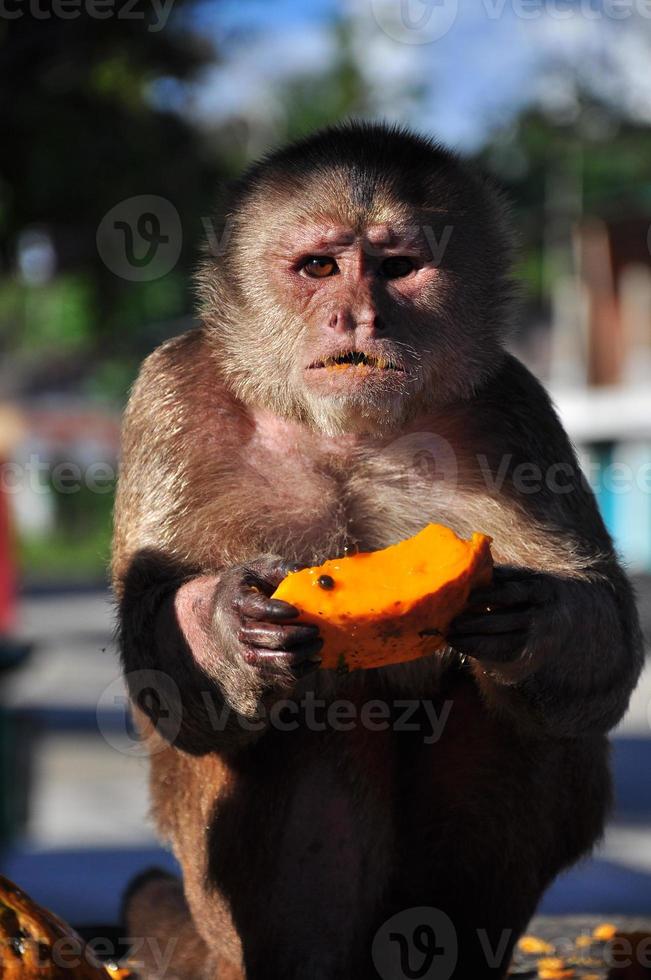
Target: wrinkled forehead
{"points": [[330, 199], [334, 204]]}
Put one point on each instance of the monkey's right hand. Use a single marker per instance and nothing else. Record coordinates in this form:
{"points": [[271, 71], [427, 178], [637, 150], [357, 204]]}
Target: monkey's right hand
{"points": [[242, 638], [260, 626]]}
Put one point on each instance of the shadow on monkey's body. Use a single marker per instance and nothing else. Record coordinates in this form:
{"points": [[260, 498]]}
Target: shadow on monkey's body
{"points": [[294, 879], [348, 385]]}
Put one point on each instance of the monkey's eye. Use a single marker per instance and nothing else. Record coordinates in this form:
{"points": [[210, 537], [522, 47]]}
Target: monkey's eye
{"points": [[396, 267], [320, 266]]}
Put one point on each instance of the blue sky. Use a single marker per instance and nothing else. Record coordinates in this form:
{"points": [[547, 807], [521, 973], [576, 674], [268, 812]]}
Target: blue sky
{"points": [[491, 58]]}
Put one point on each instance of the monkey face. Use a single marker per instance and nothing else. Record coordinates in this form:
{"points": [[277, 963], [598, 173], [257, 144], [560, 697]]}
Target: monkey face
{"points": [[364, 286], [355, 294]]}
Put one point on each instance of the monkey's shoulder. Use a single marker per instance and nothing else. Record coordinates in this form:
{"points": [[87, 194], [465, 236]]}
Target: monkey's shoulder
{"points": [[180, 387], [519, 435], [514, 389], [515, 408], [183, 364]]}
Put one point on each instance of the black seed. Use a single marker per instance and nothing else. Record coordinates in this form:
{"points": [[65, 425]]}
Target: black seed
{"points": [[326, 581]]}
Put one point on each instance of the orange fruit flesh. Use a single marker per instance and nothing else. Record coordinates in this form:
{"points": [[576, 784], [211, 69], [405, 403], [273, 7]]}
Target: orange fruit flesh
{"points": [[390, 606]]}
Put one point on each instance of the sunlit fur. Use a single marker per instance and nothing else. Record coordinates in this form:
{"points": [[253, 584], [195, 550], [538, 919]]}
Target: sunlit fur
{"points": [[357, 175], [297, 846]]}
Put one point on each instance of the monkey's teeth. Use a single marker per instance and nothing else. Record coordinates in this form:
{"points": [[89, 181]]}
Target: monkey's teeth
{"points": [[357, 359]]}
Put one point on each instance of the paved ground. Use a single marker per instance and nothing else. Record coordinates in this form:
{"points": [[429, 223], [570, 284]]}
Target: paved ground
{"points": [[88, 830]]}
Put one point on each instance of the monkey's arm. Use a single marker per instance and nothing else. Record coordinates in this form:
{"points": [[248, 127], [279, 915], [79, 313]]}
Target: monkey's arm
{"points": [[203, 646], [560, 647]]}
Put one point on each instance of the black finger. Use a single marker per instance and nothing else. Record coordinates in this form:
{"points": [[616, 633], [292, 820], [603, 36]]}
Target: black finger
{"points": [[490, 623], [499, 649], [255, 605], [301, 661], [276, 637], [310, 652], [306, 653]]}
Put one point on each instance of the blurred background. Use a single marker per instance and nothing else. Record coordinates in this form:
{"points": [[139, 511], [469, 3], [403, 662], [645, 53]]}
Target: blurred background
{"points": [[118, 122]]}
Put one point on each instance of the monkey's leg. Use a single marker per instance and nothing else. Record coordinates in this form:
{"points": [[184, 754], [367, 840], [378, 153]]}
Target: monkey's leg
{"points": [[164, 942]]}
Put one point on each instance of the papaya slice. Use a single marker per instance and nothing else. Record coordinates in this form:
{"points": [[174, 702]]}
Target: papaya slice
{"points": [[386, 607]]}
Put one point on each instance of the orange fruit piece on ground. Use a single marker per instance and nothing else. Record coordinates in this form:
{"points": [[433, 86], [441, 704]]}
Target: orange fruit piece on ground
{"points": [[36, 945], [552, 974], [534, 945], [390, 606], [605, 932]]}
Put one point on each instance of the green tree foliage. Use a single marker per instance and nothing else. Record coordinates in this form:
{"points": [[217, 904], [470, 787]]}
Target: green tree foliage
{"points": [[81, 133], [559, 168]]}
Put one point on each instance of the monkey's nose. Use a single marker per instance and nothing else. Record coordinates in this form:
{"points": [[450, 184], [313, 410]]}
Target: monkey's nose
{"points": [[342, 321], [366, 325], [369, 325]]}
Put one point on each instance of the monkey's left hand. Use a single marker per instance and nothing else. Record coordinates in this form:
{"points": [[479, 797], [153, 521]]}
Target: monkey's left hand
{"points": [[497, 624]]}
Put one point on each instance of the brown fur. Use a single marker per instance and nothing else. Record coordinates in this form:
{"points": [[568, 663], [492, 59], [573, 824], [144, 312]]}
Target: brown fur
{"points": [[297, 845]]}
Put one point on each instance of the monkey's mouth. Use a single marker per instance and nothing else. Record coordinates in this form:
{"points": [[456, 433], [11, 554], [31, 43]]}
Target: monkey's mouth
{"points": [[356, 359]]}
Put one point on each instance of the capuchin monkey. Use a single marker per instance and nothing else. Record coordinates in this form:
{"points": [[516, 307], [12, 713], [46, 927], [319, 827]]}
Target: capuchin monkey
{"points": [[348, 385]]}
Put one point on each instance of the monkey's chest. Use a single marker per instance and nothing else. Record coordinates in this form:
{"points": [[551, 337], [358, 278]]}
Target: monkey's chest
{"points": [[307, 510]]}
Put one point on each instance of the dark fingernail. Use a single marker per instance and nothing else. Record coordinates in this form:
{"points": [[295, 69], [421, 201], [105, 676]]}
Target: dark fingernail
{"points": [[278, 607]]}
